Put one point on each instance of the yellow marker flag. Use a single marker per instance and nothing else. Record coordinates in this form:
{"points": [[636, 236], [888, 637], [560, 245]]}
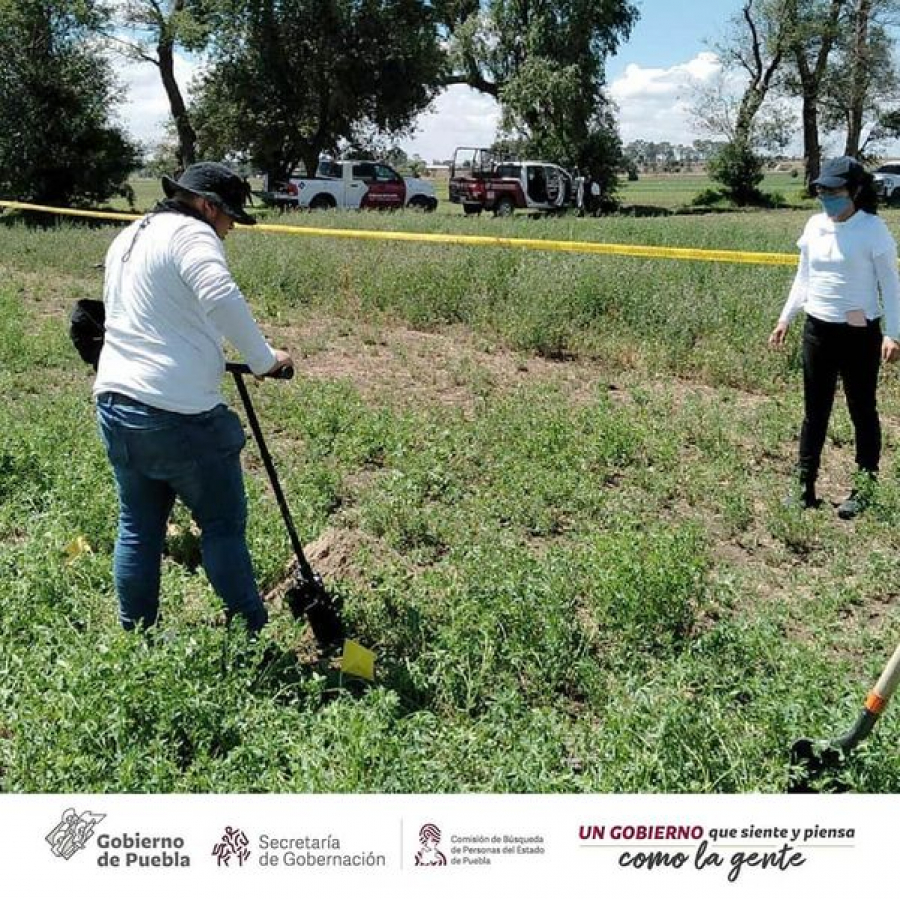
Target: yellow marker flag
{"points": [[358, 660], [77, 547]]}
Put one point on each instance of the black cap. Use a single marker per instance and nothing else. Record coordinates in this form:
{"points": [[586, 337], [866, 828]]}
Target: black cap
{"points": [[844, 171], [218, 184]]}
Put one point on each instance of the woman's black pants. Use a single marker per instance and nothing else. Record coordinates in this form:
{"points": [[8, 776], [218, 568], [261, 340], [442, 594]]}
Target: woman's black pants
{"points": [[831, 349]]}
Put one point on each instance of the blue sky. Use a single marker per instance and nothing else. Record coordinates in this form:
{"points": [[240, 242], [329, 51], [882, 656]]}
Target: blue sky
{"points": [[652, 79], [670, 32]]}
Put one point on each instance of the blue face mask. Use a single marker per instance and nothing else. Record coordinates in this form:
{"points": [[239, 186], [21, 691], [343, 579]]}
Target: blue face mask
{"points": [[835, 206]]}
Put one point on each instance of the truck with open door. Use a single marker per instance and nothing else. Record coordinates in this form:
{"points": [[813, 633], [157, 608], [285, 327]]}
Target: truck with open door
{"points": [[484, 182]]}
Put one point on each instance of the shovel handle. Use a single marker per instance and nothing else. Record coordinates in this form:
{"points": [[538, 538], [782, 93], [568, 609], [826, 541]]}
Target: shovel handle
{"points": [[876, 702], [239, 369], [285, 373], [887, 684]]}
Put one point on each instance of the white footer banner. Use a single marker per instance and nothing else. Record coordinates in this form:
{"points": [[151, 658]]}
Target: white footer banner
{"points": [[437, 845]]}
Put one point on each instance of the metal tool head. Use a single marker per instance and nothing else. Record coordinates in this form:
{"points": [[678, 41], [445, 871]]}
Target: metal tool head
{"points": [[813, 765], [310, 599]]}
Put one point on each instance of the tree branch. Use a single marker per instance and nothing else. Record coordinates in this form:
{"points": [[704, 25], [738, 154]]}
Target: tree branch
{"points": [[476, 82], [773, 66], [828, 37], [134, 49], [757, 55]]}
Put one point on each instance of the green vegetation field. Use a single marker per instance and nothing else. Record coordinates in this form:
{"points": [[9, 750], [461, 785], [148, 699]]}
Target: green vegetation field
{"points": [[679, 189], [546, 487]]}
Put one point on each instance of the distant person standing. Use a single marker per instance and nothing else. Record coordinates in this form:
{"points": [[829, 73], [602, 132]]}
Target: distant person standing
{"points": [[590, 202], [848, 259], [595, 197], [579, 192]]}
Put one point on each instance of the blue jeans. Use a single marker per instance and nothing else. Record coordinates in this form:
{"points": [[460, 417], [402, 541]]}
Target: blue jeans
{"points": [[157, 456]]}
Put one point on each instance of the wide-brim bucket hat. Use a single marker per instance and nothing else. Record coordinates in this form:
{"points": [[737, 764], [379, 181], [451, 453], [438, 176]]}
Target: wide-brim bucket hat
{"points": [[218, 184]]}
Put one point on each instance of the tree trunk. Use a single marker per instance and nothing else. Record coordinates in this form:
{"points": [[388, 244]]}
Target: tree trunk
{"points": [[859, 77], [811, 76], [812, 150], [750, 104], [187, 137], [311, 160]]}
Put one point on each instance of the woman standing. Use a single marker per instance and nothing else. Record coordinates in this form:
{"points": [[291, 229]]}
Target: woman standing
{"points": [[847, 258]]}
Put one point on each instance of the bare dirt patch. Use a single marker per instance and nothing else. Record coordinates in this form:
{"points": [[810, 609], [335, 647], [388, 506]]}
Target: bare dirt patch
{"points": [[400, 366], [51, 294], [336, 556]]}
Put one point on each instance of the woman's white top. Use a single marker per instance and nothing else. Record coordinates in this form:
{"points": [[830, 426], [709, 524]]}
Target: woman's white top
{"points": [[170, 300], [845, 266]]}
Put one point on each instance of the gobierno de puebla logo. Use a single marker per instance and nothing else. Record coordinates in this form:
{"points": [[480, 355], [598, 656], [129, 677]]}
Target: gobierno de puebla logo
{"points": [[74, 831]]}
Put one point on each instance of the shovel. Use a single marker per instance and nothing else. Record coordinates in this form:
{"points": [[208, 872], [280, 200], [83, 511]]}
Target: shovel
{"points": [[810, 760], [306, 596]]}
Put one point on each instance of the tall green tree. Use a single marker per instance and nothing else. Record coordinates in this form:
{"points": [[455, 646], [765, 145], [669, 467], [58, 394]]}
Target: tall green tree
{"points": [[149, 31], [290, 79], [544, 61], [862, 82], [860, 56], [816, 27], [757, 46], [57, 144]]}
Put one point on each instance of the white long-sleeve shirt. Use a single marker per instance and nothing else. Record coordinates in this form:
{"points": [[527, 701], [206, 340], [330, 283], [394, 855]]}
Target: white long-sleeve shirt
{"points": [[170, 300], [845, 266]]}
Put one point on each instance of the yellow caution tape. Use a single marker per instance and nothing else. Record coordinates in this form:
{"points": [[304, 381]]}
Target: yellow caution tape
{"points": [[82, 213], [472, 240]]}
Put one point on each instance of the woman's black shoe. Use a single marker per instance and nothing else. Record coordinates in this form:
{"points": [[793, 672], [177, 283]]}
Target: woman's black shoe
{"points": [[852, 506], [801, 499]]}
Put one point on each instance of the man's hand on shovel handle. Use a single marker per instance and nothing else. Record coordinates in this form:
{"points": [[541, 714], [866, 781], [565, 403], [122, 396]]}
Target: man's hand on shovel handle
{"points": [[282, 360]]}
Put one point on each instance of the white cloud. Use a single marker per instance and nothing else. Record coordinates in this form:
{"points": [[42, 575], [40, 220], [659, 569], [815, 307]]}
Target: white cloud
{"points": [[460, 116], [654, 104], [145, 110]]}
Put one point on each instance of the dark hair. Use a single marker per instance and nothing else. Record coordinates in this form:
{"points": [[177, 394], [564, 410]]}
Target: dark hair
{"points": [[866, 197]]}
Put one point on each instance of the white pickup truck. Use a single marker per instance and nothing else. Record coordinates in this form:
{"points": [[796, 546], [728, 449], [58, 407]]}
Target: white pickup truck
{"points": [[887, 182], [352, 184]]}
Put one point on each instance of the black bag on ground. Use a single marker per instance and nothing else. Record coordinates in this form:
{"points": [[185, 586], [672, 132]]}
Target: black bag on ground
{"points": [[87, 329]]}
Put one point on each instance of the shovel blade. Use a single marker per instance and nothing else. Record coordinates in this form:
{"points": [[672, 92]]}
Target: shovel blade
{"points": [[310, 600], [811, 761]]}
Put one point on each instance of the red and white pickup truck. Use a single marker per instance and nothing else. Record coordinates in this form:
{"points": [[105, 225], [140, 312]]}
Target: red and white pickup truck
{"points": [[481, 181], [353, 184]]}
